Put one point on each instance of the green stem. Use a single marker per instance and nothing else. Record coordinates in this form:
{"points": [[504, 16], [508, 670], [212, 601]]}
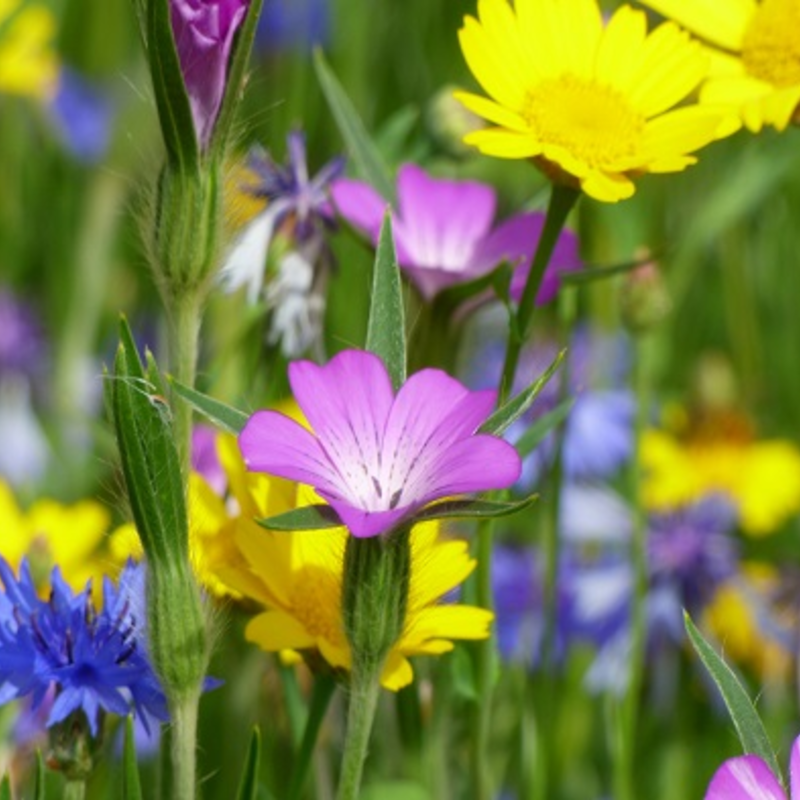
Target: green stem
{"points": [[324, 687], [184, 747], [484, 667], [562, 199], [185, 315], [627, 719], [74, 790], [364, 690]]}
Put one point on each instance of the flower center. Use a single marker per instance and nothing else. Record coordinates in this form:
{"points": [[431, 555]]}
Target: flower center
{"points": [[594, 123], [771, 47], [314, 601]]}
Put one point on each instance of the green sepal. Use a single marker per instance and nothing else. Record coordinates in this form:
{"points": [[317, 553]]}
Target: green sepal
{"points": [[309, 518], [743, 713], [131, 785], [39, 783], [472, 509], [5, 788], [143, 425], [237, 66], [386, 329], [509, 413], [172, 99], [583, 277], [361, 148], [534, 435], [248, 783], [221, 415], [495, 281]]}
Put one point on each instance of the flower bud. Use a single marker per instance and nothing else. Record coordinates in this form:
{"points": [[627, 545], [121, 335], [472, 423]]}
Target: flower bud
{"points": [[645, 300]]}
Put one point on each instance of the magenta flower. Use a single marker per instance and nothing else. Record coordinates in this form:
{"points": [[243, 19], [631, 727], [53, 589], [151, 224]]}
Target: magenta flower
{"points": [[204, 32], [444, 236], [749, 778], [377, 457]]}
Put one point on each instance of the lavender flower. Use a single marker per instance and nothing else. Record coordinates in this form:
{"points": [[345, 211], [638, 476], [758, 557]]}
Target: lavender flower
{"points": [[22, 347], [96, 660], [204, 31], [444, 235], [749, 778], [377, 457]]}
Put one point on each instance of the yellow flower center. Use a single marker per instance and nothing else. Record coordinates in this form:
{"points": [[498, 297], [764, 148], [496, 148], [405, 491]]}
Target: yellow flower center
{"points": [[594, 123], [771, 47], [314, 602]]}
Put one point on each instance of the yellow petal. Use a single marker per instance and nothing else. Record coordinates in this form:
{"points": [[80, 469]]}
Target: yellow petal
{"points": [[397, 672], [619, 50], [275, 630], [444, 622], [491, 111], [504, 144], [721, 22]]}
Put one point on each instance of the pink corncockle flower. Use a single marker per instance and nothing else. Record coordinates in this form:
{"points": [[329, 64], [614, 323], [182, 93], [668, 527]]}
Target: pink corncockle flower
{"points": [[444, 236], [749, 778], [204, 31], [376, 457]]}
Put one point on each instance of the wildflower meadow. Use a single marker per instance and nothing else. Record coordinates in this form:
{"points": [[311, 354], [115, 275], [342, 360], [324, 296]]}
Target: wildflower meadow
{"points": [[399, 401]]}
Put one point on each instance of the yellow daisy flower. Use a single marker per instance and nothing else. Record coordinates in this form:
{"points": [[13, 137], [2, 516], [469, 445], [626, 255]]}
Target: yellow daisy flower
{"points": [[592, 104], [28, 64], [298, 578], [50, 533], [762, 478], [755, 61], [734, 621]]}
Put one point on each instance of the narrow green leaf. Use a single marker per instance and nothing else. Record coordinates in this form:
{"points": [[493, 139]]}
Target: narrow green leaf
{"points": [[535, 435], [39, 787], [472, 509], [745, 718], [248, 783], [172, 100], [361, 148], [143, 425], [386, 330], [5, 788], [131, 786], [240, 58], [454, 296], [583, 277], [223, 416], [308, 518], [518, 405], [321, 694]]}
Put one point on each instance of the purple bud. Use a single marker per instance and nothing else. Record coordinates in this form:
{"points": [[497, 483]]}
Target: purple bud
{"points": [[204, 31]]}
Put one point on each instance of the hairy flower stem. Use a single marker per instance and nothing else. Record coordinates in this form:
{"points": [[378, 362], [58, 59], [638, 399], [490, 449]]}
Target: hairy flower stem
{"points": [[74, 790], [364, 690], [185, 315], [562, 200], [184, 746], [628, 713]]}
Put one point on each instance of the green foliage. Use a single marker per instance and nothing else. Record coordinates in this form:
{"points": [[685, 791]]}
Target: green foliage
{"points": [[131, 785], [248, 783], [743, 713]]}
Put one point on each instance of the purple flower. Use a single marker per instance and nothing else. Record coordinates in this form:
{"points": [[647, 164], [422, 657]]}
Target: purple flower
{"points": [[749, 778], [96, 660], [204, 31], [205, 458], [21, 342], [444, 236], [377, 457], [294, 200], [81, 115], [293, 24]]}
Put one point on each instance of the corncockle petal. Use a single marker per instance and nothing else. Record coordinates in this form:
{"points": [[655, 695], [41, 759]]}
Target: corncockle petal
{"points": [[442, 221], [794, 769], [744, 778], [271, 442], [377, 458], [360, 205]]}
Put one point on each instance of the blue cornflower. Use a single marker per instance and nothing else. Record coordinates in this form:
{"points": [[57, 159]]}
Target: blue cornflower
{"points": [[95, 660], [299, 211], [82, 115], [293, 24]]}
